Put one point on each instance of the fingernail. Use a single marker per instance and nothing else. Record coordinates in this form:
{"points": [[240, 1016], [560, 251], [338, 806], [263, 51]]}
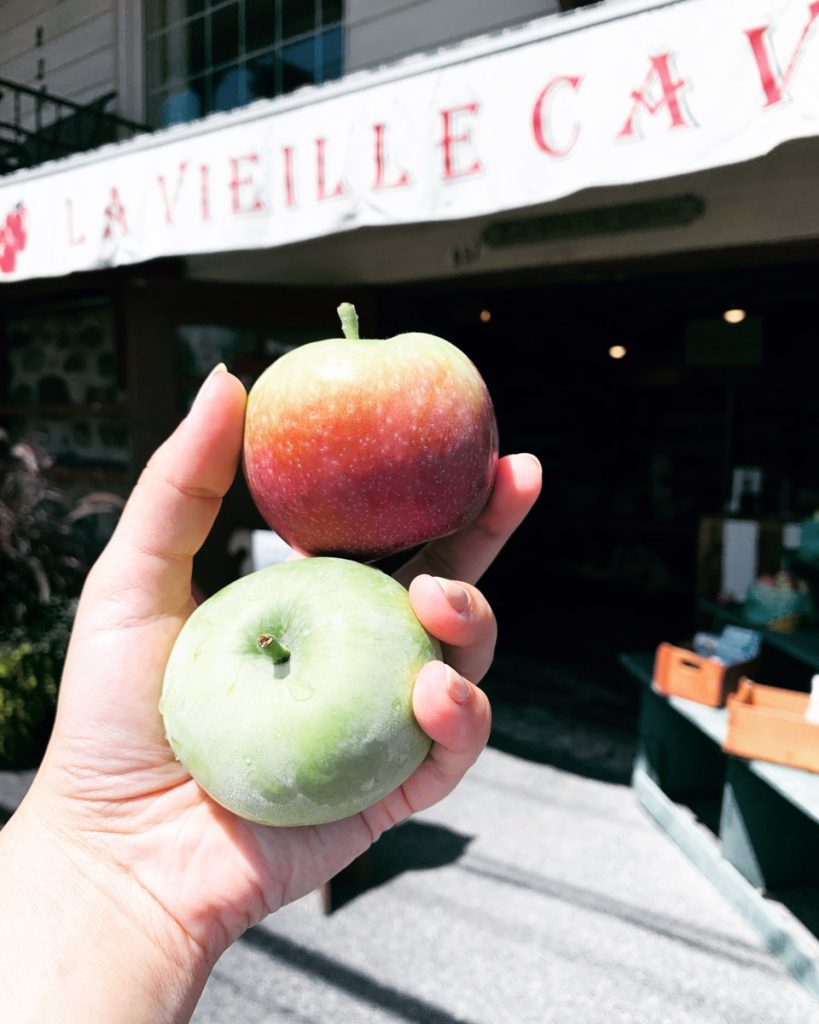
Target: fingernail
{"points": [[455, 593], [219, 368], [458, 688]]}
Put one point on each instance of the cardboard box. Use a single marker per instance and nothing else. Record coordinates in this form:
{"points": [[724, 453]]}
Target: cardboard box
{"points": [[767, 723], [680, 672]]}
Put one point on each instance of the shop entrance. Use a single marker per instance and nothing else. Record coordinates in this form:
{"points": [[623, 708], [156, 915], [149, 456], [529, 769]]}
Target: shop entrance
{"points": [[647, 400]]}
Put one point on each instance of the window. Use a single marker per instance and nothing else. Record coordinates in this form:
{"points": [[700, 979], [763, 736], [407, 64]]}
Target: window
{"points": [[207, 55], [63, 388]]}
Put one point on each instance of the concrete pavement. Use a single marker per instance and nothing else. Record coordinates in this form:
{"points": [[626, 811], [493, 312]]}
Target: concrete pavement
{"points": [[530, 896]]}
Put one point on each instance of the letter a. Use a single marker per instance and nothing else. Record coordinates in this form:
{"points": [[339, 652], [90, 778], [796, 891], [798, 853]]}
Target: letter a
{"points": [[660, 68]]}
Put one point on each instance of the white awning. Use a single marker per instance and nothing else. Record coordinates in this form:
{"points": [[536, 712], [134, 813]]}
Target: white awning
{"points": [[628, 92]]}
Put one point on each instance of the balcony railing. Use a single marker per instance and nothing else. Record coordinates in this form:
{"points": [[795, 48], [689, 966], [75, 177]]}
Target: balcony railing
{"points": [[36, 126]]}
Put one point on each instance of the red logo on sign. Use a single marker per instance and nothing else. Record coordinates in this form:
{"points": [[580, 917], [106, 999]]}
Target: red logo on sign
{"points": [[13, 234]]}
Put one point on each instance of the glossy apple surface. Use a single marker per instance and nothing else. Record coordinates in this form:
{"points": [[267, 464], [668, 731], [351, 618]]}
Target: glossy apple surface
{"points": [[364, 447], [288, 694]]}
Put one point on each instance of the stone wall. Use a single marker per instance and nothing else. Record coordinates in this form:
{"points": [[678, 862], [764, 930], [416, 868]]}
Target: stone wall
{"points": [[63, 390]]}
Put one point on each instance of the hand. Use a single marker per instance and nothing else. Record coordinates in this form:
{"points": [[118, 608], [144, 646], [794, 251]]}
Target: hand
{"points": [[124, 823]]}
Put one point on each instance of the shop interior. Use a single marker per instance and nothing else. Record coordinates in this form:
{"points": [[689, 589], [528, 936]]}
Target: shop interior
{"points": [[647, 408], [649, 411]]}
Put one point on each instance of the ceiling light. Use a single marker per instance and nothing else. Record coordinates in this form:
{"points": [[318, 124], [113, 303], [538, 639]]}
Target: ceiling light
{"points": [[486, 316], [734, 316], [617, 351]]}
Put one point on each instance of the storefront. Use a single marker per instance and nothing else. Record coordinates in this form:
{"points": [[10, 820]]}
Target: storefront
{"points": [[575, 202]]}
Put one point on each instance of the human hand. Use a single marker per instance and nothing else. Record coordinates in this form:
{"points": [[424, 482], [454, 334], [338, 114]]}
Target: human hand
{"points": [[123, 821]]}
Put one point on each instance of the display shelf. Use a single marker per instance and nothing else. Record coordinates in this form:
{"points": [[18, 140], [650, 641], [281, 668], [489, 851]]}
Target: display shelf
{"points": [[711, 721], [781, 931], [799, 787], [750, 826]]}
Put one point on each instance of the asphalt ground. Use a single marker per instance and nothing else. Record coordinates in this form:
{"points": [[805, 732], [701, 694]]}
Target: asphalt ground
{"points": [[538, 892]]}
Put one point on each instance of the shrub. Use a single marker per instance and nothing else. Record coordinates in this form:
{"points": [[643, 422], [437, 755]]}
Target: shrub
{"points": [[47, 543], [29, 681]]}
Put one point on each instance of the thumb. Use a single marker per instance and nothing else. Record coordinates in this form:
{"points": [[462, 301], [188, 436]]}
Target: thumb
{"points": [[148, 562]]}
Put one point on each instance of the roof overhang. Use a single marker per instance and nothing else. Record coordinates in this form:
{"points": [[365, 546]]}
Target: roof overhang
{"points": [[625, 93]]}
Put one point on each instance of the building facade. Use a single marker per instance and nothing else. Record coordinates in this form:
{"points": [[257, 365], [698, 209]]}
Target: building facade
{"points": [[155, 56]]}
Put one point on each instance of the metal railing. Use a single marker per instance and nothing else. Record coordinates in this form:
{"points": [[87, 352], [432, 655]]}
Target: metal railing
{"points": [[36, 126]]}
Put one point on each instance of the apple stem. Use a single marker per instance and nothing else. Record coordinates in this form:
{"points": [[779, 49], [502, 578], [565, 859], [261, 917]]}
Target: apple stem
{"points": [[349, 321], [266, 642]]}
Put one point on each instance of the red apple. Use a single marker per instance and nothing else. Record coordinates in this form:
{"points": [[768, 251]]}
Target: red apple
{"points": [[363, 447]]}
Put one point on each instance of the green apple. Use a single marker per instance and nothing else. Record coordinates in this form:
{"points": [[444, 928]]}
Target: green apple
{"points": [[288, 694]]}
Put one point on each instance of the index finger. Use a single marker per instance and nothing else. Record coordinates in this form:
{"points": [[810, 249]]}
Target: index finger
{"points": [[467, 554]]}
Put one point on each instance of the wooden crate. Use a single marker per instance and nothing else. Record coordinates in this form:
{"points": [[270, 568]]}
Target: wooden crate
{"points": [[680, 672], [767, 723]]}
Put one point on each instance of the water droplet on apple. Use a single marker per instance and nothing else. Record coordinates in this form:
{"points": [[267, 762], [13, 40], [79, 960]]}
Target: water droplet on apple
{"points": [[299, 689]]}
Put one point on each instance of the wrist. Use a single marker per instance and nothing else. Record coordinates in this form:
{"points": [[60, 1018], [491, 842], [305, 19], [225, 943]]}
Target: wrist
{"points": [[81, 940]]}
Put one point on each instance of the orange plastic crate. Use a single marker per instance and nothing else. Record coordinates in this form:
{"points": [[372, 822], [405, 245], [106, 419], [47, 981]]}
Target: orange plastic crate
{"points": [[767, 723], [680, 672]]}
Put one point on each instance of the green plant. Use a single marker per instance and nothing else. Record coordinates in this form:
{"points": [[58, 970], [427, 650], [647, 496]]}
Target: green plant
{"points": [[29, 680], [47, 543]]}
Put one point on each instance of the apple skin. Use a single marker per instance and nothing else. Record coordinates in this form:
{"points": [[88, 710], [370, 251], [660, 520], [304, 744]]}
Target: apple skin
{"points": [[320, 736], [362, 448]]}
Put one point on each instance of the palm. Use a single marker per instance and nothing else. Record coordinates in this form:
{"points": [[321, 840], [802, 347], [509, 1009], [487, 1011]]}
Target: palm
{"points": [[208, 868]]}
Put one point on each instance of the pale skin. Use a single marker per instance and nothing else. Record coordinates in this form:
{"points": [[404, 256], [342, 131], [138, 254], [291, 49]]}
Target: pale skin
{"points": [[123, 882]]}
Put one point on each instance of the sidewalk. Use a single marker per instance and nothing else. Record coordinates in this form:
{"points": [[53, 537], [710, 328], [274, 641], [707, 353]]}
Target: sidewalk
{"points": [[533, 895]]}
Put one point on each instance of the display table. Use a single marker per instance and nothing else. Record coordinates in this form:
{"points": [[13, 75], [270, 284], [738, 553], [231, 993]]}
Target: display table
{"points": [[751, 827]]}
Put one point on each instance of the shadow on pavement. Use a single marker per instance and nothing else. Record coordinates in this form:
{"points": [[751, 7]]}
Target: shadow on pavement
{"points": [[576, 715], [607, 905], [411, 846], [400, 1005]]}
